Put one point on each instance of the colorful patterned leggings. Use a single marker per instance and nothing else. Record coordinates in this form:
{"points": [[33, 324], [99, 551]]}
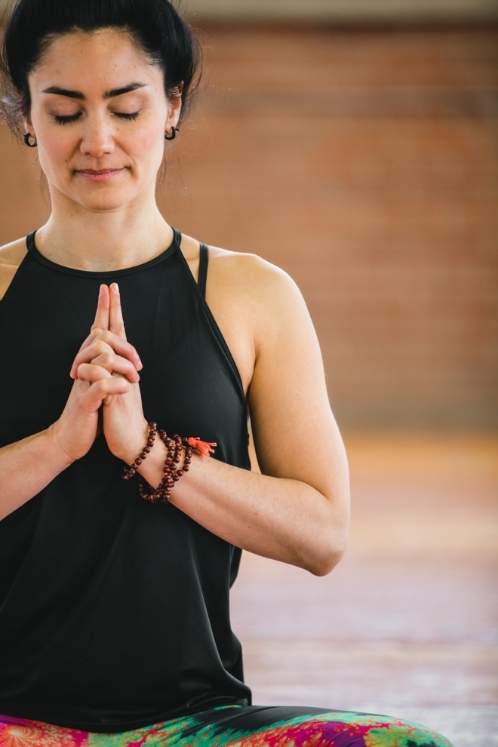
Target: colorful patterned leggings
{"points": [[237, 726]]}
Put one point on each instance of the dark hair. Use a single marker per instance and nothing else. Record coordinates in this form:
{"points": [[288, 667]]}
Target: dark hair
{"points": [[166, 38]]}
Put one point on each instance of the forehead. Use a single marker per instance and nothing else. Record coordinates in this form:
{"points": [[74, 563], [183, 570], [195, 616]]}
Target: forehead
{"points": [[94, 59]]}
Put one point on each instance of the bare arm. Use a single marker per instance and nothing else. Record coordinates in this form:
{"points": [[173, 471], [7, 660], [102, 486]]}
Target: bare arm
{"points": [[298, 510], [280, 518], [30, 464], [26, 467]]}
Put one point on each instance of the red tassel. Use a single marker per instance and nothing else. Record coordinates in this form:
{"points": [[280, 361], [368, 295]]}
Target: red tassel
{"points": [[203, 448]]}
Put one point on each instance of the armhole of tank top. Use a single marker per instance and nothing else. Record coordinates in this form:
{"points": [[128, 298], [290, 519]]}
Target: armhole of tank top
{"points": [[13, 279], [200, 288]]}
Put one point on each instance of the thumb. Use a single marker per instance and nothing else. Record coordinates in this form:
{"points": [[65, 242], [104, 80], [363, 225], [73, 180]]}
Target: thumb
{"points": [[99, 391]]}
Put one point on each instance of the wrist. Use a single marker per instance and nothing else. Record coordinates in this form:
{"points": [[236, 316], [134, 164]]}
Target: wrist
{"points": [[134, 445], [56, 447]]}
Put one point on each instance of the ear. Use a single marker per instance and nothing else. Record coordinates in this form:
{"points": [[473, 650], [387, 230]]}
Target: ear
{"points": [[175, 105]]}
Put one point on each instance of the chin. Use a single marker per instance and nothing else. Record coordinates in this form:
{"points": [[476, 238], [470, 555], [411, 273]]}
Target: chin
{"points": [[100, 202], [104, 198], [104, 205]]}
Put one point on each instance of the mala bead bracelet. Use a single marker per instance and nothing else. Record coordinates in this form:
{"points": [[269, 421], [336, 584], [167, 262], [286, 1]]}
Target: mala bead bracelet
{"points": [[128, 472], [174, 445]]}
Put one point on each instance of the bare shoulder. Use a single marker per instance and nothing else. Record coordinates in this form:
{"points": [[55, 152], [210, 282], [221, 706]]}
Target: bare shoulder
{"points": [[253, 276], [261, 288], [11, 256], [13, 252], [241, 293], [244, 277]]}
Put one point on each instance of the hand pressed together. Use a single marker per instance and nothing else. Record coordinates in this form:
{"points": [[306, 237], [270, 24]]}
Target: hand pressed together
{"points": [[105, 354], [105, 375]]}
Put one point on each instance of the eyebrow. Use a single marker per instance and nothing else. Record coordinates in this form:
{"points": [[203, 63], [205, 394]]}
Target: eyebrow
{"points": [[107, 94]]}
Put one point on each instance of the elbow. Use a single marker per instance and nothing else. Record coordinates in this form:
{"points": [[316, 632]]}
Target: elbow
{"points": [[336, 536], [333, 549], [332, 553], [329, 537], [320, 564], [326, 566]]}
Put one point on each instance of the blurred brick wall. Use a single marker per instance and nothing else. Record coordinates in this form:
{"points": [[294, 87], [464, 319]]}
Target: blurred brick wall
{"points": [[364, 161]]}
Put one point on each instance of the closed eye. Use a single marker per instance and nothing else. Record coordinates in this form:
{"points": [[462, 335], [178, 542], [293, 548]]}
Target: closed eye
{"points": [[60, 119]]}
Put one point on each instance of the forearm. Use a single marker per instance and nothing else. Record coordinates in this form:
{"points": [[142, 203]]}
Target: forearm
{"points": [[26, 467], [279, 518]]}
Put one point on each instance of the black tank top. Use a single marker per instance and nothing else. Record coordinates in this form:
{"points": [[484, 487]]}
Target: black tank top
{"points": [[114, 612]]}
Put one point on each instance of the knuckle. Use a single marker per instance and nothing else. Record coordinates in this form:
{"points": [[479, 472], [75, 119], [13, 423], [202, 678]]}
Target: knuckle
{"points": [[108, 357], [101, 347], [100, 334]]}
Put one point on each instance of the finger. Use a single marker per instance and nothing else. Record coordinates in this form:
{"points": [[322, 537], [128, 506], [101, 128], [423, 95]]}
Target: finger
{"points": [[116, 364], [109, 397], [85, 354], [103, 388], [87, 341], [91, 372], [102, 354], [120, 345], [116, 321], [102, 314], [116, 343], [96, 334]]}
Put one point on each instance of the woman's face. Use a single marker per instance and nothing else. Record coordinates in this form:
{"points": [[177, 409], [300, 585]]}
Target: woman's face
{"points": [[124, 132]]}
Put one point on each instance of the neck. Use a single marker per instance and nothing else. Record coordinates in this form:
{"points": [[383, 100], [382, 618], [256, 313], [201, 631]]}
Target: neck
{"points": [[112, 240]]}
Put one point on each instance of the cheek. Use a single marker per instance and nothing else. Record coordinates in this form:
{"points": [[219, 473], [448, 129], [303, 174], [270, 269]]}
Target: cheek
{"points": [[56, 150], [149, 141]]}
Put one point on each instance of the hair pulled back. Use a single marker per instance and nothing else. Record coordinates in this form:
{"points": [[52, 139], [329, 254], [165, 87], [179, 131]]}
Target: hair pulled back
{"points": [[166, 38]]}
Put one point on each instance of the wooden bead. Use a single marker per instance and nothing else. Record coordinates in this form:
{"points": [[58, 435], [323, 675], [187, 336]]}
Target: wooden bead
{"points": [[170, 473]]}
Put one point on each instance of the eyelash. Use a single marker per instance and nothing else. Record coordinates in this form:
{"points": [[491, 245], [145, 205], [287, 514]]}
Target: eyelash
{"points": [[60, 119]]}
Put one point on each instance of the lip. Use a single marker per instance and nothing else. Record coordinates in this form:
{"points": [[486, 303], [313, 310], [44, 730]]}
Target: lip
{"points": [[99, 175]]}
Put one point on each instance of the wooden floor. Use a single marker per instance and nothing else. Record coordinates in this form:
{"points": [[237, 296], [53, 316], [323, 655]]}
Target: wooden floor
{"points": [[406, 623]]}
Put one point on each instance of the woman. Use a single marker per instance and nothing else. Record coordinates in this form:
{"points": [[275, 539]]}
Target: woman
{"points": [[114, 606]]}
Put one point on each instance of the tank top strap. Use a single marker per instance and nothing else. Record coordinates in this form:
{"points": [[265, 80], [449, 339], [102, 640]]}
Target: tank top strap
{"points": [[30, 241], [203, 264]]}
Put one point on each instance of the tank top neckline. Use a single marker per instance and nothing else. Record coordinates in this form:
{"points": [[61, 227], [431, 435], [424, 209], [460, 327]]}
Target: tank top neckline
{"points": [[39, 257]]}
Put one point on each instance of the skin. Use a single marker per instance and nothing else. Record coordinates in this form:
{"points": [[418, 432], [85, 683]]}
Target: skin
{"points": [[297, 509], [110, 224], [116, 223], [106, 352]]}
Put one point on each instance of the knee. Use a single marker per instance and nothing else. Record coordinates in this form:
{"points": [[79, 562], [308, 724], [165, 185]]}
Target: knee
{"points": [[376, 730], [405, 733]]}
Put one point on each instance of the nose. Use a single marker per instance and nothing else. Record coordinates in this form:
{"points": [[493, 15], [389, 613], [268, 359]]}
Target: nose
{"points": [[98, 136]]}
